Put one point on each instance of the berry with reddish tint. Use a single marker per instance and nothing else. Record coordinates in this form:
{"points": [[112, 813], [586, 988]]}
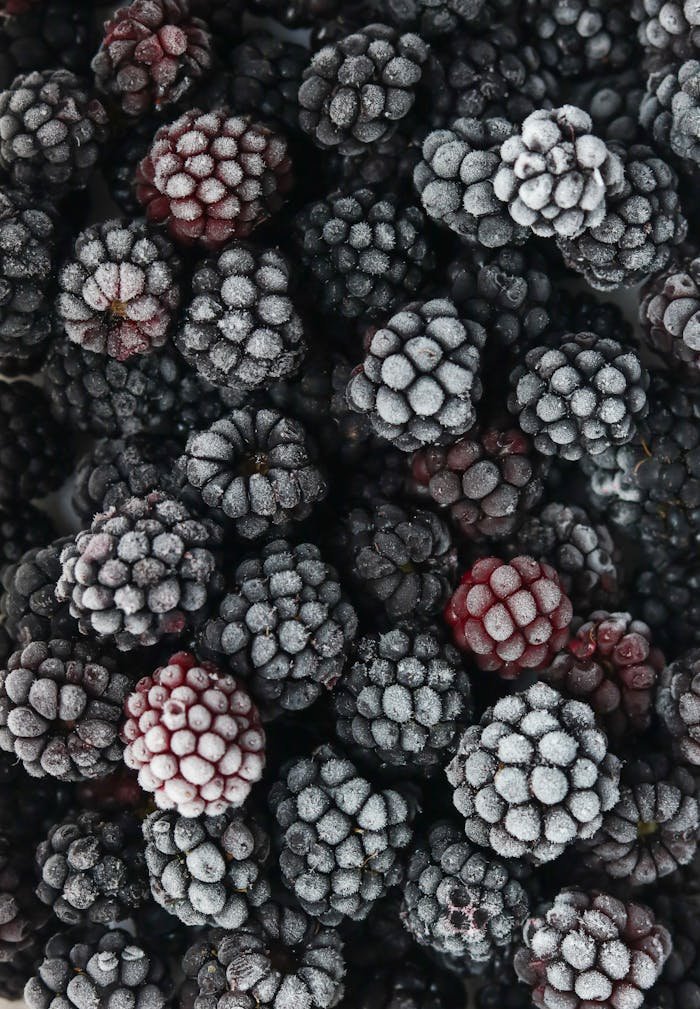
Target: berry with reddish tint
{"points": [[510, 615], [210, 177], [194, 736]]}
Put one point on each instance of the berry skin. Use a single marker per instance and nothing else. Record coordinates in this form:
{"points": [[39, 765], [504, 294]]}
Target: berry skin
{"points": [[510, 616], [194, 736]]}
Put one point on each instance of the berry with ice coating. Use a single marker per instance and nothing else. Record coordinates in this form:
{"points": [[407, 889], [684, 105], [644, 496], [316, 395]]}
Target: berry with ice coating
{"points": [[678, 705], [670, 316], [194, 736]]}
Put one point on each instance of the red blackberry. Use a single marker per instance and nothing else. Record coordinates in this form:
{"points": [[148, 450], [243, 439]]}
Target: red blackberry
{"points": [[510, 616]]}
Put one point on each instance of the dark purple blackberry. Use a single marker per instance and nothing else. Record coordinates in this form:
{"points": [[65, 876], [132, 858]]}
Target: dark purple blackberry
{"points": [[679, 984], [265, 76], [28, 602], [613, 105], [22, 916], [21, 529], [413, 983], [51, 34], [678, 705], [670, 316], [581, 312], [669, 111], [34, 450], [582, 37], [385, 166], [667, 597]]}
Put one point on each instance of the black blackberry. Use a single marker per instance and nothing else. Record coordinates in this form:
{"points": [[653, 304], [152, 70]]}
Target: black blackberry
{"points": [[581, 37], [669, 30], [669, 111], [16, 972], [255, 466], [21, 529], [386, 166], [641, 226], [265, 76], [60, 709], [340, 841], [581, 312], [34, 451], [459, 900], [27, 240], [415, 983], [438, 18], [678, 705], [140, 572], [286, 626], [667, 597], [97, 966], [580, 398], [122, 156], [240, 327], [534, 776], [380, 938], [613, 105], [51, 34], [653, 827], [223, 18], [670, 316], [22, 915], [365, 253], [402, 559], [404, 698], [679, 984], [280, 958], [209, 870], [455, 181], [52, 132], [92, 868], [28, 602]]}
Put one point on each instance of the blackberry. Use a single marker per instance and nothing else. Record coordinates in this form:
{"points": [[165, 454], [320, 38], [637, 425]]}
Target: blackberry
{"points": [[209, 870], [534, 775], [240, 327], [60, 708], [50, 34], [613, 105], [653, 827], [581, 398], [265, 76], [34, 451], [460, 901], [455, 181], [678, 705], [122, 156], [669, 30], [340, 841], [278, 959], [666, 598], [92, 869], [119, 291], [255, 466], [670, 316], [581, 312], [387, 165], [29, 607], [21, 529], [415, 983], [420, 381], [210, 177], [15, 973], [489, 480], [403, 559], [669, 111], [556, 176], [140, 572], [365, 253], [151, 55], [286, 626], [52, 132], [679, 984], [404, 699], [580, 37]]}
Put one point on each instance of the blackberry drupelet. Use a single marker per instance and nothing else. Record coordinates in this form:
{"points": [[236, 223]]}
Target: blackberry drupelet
{"points": [[21, 529], [667, 597], [141, 571], [255, 466], [678, 705], [210, 870], [420, 381], [241, 327], [489, 480], [582, 37], [340, 841], [34, 450], [459, 900], [52, 34], [404, 699], [285, 627], [52, 132], [265, 76], [117, 469], [364, 253], [402, 558], [29, 607], [592, 947], [670, 316], [534, 776]]}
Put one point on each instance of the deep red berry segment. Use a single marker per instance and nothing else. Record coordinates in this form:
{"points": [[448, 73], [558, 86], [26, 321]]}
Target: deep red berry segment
{"points": [[511, 616], [194, 736]]}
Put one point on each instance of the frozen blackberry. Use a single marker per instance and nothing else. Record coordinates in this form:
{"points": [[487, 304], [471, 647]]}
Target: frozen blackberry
{"points": [[579, 398], [489, 480], [52, 132], [403, 559], [140, 572], [581, 312], [641, 226], [152, 53], [613, 105], [21, 529], [580, 37], [52, 34], [653, 827], [240, 327], [411, 983], [340, 841], [510, 615], [60, 709], [678, 705], [34, 450], [670, 316], [210, 177], [404, 699], [92, 869], [667, 597], [460, 901], [365, 253], [27, 240], [679, 984], [356, 90], [95, 967], [285, 626], [556, 176], [28, 603], [209, 870], [420, 381], [439, 18], [669, 110], [534, 776], [592, 948], [455, 181], [266, 74], [280, 958], [669, 30]]}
